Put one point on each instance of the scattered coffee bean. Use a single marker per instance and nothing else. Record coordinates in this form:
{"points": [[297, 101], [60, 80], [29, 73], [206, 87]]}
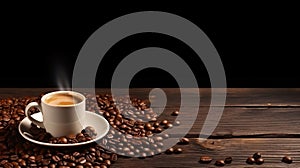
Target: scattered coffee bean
{"points": [[287, 159], [175, 113], [169, 151], [177, 123], [177, 150], [259, 161], [228, 160], [220, 163], [205, 159], [169, 125], [164, 122], [250, 160], [184, 141], [256, 155]]}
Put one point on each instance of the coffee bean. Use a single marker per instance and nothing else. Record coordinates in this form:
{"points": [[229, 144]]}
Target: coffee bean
{"points": [[259, 161], [55, 158], [205, 159], [82, 160], [31, 159], [169, 125], [164, 122], [175, 113], [169, 151], [250, 160], [184, 141], [287, 159], [46, 162], [71, 164], [220, 163], [63, 140], [158, 130], [228, 160], [79, 166], [256, 155], [177, 123], [114, 157], [178, 151]]}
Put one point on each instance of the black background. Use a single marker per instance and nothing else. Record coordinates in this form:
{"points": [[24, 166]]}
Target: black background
{"points": [[258, 43]]}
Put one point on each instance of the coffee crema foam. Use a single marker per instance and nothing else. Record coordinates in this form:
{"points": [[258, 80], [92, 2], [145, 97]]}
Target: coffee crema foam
{"points": [[62, 99]]}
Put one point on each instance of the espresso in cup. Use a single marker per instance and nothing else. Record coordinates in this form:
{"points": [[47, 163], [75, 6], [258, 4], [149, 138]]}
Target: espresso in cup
{"points": [[62, 99], [63, 113]]}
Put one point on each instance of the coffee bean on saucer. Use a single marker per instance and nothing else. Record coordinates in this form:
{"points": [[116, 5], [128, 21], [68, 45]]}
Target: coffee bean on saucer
{"points": [[220, 163], [175, 113], [228, 160], [287, 159], [250, 160], [205, 159]]}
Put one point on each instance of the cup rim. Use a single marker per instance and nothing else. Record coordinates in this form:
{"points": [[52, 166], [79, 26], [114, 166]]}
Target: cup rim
{"points": [[81, 96]]}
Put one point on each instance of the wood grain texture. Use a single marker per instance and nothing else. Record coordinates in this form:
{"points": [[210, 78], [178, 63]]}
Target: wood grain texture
{"points": [[272, 150], [262, 120]]}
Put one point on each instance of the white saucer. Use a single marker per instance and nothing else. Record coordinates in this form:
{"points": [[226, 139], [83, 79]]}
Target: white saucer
{"points": [[94, 120]]}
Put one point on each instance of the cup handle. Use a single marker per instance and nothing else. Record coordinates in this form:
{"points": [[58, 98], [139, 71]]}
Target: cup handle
{"points": [[36, 122]]}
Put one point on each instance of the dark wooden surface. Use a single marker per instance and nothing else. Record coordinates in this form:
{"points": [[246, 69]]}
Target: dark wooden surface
{"points": [[254, 120]]}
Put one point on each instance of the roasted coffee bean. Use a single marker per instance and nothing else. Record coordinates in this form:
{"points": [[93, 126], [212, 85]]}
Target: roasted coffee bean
{"points": [[177, 123], [156, 124], [250, 160], [114, 157], [82, 160], [169, 151], [46, 162], [178, 150], [14, 157], [220, 163], [71, 164], [63, 140], [205, 159], [256, 155], [55, 158], [22, 162], [175, 113], [228, 160], [164, 122], [169, 125], [259, 161], [287, 159], [31, 159], [158, 130], [184, 141]]}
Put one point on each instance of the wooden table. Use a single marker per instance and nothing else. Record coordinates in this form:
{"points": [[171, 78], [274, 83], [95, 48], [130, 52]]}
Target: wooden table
{"points": [[254, 120]]}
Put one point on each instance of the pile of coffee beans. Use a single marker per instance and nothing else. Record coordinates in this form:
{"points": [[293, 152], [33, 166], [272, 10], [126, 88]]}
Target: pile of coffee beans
{"points": [[17, 152], [132, 121]]}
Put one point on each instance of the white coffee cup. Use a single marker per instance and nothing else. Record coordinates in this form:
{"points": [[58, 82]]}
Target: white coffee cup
{"points": [[61, 115]]}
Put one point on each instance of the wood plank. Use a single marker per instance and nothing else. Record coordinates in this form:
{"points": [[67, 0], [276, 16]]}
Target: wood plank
{"points": [[236, 121], [272, 150], [239, 122]]}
